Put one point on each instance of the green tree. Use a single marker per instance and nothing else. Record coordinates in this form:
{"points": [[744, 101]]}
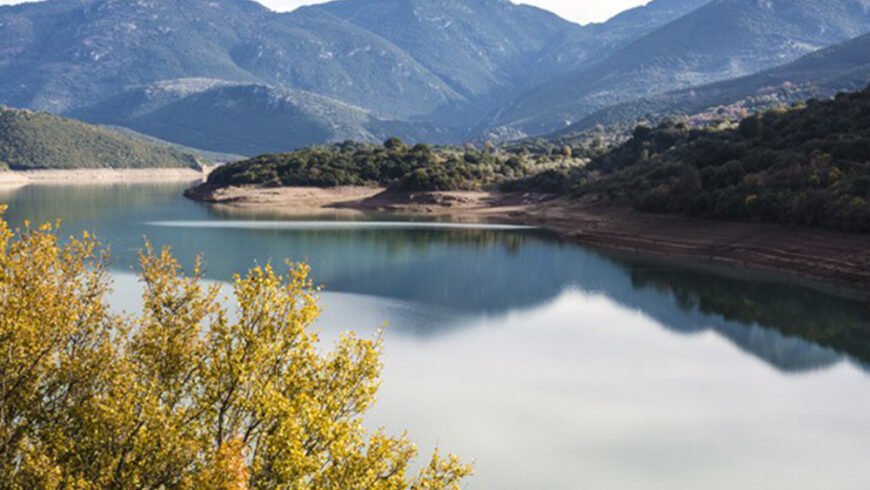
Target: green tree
{"points": [[394, 143]]}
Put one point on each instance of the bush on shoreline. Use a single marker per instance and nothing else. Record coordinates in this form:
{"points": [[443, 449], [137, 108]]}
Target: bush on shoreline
{"points": [[808, 166], [393, 164]]}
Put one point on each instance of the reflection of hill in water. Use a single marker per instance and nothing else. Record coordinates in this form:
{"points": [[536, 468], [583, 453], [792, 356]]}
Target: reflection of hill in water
{"points": [[791, 327], [482, 272], [83, 203], [475, 272], [862, 365]]}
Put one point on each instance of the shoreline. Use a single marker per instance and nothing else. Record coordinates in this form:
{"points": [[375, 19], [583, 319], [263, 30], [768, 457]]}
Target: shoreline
{"points": [[823, 259], [99, 176]]}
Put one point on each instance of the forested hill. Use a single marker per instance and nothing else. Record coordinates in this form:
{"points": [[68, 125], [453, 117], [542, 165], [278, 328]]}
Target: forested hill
{"points": [[403, 167], [36, 140], [809, 165]]}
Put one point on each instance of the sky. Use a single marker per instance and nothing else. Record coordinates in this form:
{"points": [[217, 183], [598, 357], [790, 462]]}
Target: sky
{"points": [[582, 11]]}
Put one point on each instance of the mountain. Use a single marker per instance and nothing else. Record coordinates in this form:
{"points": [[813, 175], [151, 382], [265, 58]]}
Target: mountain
{"points": [[36, 140], [720, 40], [820, 74], [67, 54], [234, 76], [63, 55], [473, 45], [314, 51], [437, 63], [247, 119], [595, 42]]}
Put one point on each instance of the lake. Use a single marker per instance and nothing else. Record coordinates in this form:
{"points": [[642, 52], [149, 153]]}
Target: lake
{"points": [[550, 365]]}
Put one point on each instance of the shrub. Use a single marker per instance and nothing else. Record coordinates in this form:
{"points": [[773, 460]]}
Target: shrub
{"points": [[182, 396]]}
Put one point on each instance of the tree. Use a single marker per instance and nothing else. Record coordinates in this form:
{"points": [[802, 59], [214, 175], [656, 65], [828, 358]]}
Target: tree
{"points": [[186, 395], [394, 143]]}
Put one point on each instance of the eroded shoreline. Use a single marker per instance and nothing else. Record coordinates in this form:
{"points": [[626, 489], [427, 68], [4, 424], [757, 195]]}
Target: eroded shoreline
{"points": [[838, 261], [100, 176]]}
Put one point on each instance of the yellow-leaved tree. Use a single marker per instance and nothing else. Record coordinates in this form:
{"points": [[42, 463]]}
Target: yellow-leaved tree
{"points": [[184, 396]]}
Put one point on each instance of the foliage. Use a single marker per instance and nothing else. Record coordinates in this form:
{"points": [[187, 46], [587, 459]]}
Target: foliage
{"points": [[35, 140], [805, 166], [183, 396], [395, 164]]}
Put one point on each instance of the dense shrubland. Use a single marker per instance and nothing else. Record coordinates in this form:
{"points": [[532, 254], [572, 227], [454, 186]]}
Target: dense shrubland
{"points": [[809, 165], [806, 165], [37, 140], [396, 165], [188, 394]]}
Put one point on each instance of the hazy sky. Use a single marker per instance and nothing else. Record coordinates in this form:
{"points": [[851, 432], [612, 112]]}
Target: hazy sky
{"points": [[582, 11]]}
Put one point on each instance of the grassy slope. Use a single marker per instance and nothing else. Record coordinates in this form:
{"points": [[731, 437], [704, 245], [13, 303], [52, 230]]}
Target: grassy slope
{"points": [[35, 140]]}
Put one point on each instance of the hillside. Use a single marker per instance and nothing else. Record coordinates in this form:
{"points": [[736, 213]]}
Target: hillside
{"points": [[394, 165], [233, 76], [820, 74], [34, 140], [247, 119], [806, 166], [63, 55], [473, 45], [422, 68], [595, 42], [723, 39]]}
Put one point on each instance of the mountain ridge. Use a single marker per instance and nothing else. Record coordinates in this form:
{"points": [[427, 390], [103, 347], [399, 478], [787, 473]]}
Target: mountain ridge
{"points": [[720, 40], [450, 70], [821, 74]]}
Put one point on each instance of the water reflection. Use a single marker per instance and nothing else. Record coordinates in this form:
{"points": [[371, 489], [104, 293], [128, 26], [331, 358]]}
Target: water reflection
{"points": [[790, 327], [470, 272], [551, 365]]}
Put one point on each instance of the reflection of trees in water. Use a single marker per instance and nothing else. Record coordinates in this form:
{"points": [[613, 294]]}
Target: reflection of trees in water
{"points": [[862, 365], [473, 272], [789, 326], [75, 204], [486, 272], [365, 261], [491, 274]]}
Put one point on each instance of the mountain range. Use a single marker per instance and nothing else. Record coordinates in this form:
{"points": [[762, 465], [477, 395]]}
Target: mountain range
{"points": [[723, 39], [821, 74], [233, 76]]}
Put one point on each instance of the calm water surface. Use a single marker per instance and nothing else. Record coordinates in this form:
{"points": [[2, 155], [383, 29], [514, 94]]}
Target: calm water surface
{"points": [[550, 365]]}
